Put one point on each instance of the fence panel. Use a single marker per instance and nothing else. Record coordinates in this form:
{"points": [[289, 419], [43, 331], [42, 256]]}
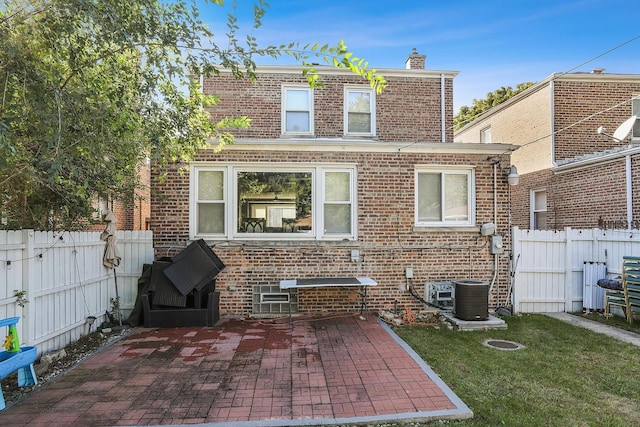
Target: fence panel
{"points": [[549, 272], [66, 282], [540, 273]]}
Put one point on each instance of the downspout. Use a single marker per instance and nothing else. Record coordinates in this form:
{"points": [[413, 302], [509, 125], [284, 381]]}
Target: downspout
{"points": [[629, 186], [495, 221], [552, 88], [443, 109]]}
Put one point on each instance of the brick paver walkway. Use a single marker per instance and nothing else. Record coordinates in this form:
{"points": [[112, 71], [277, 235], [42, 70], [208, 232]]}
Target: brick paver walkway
{"points": [[316, 371]]}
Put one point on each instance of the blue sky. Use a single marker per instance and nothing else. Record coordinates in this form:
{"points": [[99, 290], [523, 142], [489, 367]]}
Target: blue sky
{"points": [[491, 43]]}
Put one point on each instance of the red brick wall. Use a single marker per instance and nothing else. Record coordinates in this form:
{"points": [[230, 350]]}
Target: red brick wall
{"points": [[408, 110], [575, 102], [580, 198], [387, 240]]}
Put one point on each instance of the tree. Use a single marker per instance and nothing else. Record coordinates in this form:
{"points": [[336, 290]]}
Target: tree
{"points": [[89, 88], [467, 115]]}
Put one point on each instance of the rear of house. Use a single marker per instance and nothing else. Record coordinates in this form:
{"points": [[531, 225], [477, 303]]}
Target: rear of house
{"points": [[338, 181], [571, 175]]}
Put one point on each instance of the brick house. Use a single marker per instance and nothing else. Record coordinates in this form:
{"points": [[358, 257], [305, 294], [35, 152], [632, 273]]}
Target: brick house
{"points": [[133, 214], [570, 174], [337, 181]]}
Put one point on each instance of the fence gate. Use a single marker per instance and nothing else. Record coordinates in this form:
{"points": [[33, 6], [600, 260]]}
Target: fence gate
{"points": [[550, 268]]}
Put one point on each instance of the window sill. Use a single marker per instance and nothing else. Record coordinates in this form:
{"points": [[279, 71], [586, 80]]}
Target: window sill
{"points": [[448, 229]]}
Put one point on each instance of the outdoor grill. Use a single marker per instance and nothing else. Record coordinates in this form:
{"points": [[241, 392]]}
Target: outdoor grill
{"points": [[181, 290]]}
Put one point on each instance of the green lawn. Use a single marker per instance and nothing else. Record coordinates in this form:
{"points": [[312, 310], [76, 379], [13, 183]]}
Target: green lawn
{"points": [[565, 375]]}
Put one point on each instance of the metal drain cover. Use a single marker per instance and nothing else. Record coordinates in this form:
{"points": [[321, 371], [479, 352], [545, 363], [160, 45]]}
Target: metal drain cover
{"points": [[503, 344]]}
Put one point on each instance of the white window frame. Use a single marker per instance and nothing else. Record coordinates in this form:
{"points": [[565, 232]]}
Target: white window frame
{"points": [[195, 202], [348, 89], [284, 110], [635, 110], [231, 171], [351, 203], [469, 171], [485, 135], [533, 209]]}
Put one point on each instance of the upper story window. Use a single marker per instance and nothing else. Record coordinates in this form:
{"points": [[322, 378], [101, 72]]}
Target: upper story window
{"points": [[273, 203], [359, 111], [635, 133], [297, 110], [538, 209], [444, 196], [485, 135]]}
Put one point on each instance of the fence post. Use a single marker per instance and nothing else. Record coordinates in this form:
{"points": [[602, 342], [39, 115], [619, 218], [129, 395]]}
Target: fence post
{"points": [[568, 270], [515, 246], [29, 310]]}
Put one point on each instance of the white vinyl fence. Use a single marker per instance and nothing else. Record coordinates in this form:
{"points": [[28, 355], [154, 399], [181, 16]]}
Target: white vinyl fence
{"points": [[549, 265], [65, 282]]}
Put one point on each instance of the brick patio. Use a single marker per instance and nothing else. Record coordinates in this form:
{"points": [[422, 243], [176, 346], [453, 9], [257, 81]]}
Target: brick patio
{"points": [[328, 371]]}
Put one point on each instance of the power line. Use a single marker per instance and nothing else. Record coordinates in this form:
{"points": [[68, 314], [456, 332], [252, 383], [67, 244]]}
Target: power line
{"points": [[471, 119]]}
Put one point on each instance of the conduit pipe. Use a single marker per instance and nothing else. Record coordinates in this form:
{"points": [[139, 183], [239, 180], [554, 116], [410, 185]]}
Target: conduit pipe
{"points": [[495, 221], [629, 186], [443, 122]]}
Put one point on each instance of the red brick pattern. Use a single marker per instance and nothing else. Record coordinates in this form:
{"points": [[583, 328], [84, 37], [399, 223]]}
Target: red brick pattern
{"points": [[387, 240], [322, 369], [408, 110]]}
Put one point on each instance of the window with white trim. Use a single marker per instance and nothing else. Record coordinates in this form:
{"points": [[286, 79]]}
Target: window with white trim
{"points": [[297, 110], [635, 133], [444, 196], [485, 135], [273, 202], [210, 201], [359, 111], [338, 202], [539, 209]]}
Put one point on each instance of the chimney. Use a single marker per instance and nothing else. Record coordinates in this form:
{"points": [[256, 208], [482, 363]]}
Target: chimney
{"points": [[415, 61]]}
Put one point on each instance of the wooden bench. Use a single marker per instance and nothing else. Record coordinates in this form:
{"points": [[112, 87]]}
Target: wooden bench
{"points": [[322, 282], [16, 358]]}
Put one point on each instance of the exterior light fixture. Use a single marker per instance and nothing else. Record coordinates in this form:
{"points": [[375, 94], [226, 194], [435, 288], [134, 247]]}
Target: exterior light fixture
{"points": [[513, 178]]}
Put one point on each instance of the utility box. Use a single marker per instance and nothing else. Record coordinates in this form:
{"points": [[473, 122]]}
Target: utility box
{"points": [[495, 245]]}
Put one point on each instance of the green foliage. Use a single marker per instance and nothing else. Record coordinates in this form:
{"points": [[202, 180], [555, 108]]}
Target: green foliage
{"points": [[90, 88], [21, 298], [467, 115]]}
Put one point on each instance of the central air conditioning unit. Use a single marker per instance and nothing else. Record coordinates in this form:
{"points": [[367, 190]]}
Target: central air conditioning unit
{"points": [[440, 294]]}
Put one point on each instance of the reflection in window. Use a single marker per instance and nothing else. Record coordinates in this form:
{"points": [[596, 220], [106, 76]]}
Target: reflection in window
{"points": [[210, 202], [337, 203], [444, 197], [539, 209], [635, 133], [359, 112], [274, 202], [297, 107]]}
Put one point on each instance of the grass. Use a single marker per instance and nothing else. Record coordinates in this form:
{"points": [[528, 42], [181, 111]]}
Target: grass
{"points": [[565, 375]]}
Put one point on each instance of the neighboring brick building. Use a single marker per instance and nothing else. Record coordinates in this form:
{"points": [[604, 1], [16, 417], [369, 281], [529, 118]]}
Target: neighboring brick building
{"points": [[324, 184], [131, 214], [570, 175]]}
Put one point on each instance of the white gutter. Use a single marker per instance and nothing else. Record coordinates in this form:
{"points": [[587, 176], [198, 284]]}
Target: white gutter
{"points": [[552, 88], [442, 109], [596, 160]]}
